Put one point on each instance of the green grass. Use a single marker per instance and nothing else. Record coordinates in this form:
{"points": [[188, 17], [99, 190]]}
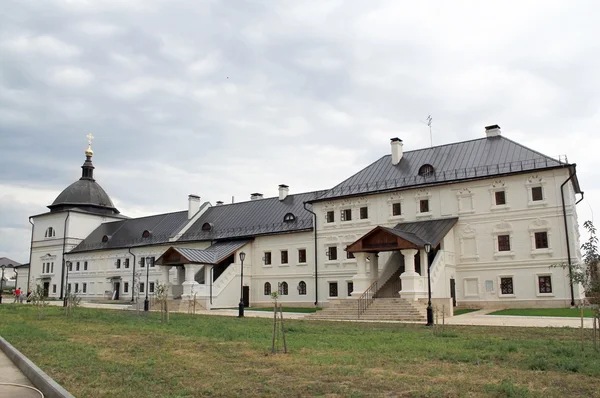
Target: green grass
{"points": [[558, 312], [304, 310], [463, 311], [106, 353]]}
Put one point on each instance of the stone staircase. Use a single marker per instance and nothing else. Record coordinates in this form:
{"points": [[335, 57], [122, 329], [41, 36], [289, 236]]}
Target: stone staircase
{"points": [[391, 287], [381, 309]]}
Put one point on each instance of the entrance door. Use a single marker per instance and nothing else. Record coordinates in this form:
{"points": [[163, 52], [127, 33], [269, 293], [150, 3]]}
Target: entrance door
{"points": [[453, 291], [46, 289], [246, 296], [117, 291]]}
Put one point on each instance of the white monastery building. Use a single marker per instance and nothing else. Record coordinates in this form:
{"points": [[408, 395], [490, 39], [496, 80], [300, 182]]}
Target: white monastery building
{"points": [[497, 216]]}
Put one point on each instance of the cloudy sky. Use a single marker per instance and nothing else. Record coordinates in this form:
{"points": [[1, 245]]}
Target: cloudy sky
{"points": [[225, 98]]}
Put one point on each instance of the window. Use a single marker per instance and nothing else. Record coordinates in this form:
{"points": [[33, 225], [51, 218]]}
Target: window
{"points": [[284, 257], [349, 255], [105, 239], [151, 287], [333, 289], [53, 288], [69, 288], [545, 284], [396, 209], [267, 258], [146, 234], [503, 243], [50, 232], [141, 287], [77, 288], [126, 287], [52, 266], [77, 266], [267, 289], [332, 253], [346, 215], [85, 265], [85, 287], [142, 262], [426, 170], [364, 213], [330, 217], [301, 255], [118, 263], [70, 266], [424, 205], [350, 288], [152, 259], [302, 288], [126, 263], [506, 286], [541, 240], [289, 217], [283, 289], [537, 194], [500, 198], [207, 226]]}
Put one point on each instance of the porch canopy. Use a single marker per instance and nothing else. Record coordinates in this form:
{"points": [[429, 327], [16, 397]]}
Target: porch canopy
{"points": [[214, 254], [410, 235]]}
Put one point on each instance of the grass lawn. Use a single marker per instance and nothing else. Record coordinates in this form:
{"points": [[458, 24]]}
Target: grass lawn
{"points": [[566, 312], [463, 311], [304, 310], [104, 353]]}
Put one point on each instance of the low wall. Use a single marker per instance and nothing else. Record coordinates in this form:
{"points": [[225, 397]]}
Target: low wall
{"points": [[500, 305], [439, 305]]}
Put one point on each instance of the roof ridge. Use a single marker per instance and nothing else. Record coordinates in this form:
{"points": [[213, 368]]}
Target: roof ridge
{"points": [[322, 191]]}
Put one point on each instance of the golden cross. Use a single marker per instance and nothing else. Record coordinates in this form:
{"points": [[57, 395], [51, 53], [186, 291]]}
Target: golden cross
{"points": [[90, 137]]}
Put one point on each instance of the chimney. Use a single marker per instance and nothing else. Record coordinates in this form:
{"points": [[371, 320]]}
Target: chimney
{"points": [[283, 191], [193, 205], [255, 196], [492, 131], [396, 150], [219, 203]]}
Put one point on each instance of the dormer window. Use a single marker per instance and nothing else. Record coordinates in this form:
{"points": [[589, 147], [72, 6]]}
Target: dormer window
{"points": [[207, 226], [426, 170], [50, 232], [105, 238], [289, 217], [146, 234]]}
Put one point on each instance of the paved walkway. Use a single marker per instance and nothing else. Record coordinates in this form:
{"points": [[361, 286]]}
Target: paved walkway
{"points": [[9, 373]]}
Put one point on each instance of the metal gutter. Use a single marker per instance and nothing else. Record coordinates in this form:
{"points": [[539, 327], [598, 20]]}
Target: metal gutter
{"points": [[62, 275], [133, 277], [30, 252], [316, 257]]}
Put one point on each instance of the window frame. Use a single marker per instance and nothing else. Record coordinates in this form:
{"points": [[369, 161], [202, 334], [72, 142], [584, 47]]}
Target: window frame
{"points": [[267, 258], [363, 213], [329, 290], [500, 286], [507, 247], [399, 204], [125, 287], [423, 202], [332, 256], [543, 239], [503, 192], [538, 291], [300, 257], [301, 288], [330, 217], [284, 255], [346, 215], [349, 288], [267, 288], [534, 189]]}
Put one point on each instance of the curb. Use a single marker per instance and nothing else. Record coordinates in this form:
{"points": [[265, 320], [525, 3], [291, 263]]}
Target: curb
{"points": [[38, 378]]}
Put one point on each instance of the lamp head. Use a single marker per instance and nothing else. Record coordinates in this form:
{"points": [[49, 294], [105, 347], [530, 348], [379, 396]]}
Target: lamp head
{"points": [[242, 256], [148, 261], [427, 247]]}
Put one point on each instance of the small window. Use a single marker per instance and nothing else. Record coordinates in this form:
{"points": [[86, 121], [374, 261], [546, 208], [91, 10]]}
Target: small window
{"points": [[267, 258], [141, 287], [52, 267], [142, 262], [267, 289], [85, 265], [152, 260], [302, 288], [118, 263], [346, 215], [537, 194], [283, 289], [77, 288], [545, 284], [85, 287], [424, 205], [350, 288], [332, 253], [396, 209], [69, 288], [503, 243], [53, 288], [500, 198], [126, 263], [330, 217], [426, 170], [105, 239], [70, 266], [541, 240], [151, 287], [506, 286], [207, 226], [364, 213], [77, 266], [333, 289], [302, 256], [126, 287], [349, 255], [289, 217], [146, 234], [284, 257], [50, 232]]}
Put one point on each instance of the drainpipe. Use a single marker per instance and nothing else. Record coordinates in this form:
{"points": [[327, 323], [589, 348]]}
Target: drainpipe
{"points": [[316, 257], [562, 196], [62, 275], [30, 251], [211, 276], [133, 277]]}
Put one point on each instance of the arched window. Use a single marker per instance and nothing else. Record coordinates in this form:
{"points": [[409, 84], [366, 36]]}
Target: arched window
{"points": [[146, 234], [283, 289], [207, 226], [267, 289], [105, 238], [426, 170], [50, 232], [302, 288], [289, 217]]}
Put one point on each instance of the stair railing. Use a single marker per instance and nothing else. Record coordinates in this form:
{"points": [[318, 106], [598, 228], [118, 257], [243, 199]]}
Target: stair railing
{"points": [[366, 299]]}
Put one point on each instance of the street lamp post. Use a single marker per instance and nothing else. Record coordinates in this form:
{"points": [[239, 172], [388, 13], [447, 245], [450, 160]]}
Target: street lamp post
{"points": [[2, 282], [68, 264], [241, 305], [147, 287], [429, 308]]}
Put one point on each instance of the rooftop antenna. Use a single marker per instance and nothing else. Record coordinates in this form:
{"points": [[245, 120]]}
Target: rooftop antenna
{"points": [[429, 120]]}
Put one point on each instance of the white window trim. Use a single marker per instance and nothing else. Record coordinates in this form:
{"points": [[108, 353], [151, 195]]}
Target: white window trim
{"points": [[494, 206], [503, 228], [298, 256], [534, 182], [263, 261], [343, 211], [537, 285], [543, 251], [500, 295], [288, 259], [327, 260], [476, 295], [461, 196], [338, 289]]}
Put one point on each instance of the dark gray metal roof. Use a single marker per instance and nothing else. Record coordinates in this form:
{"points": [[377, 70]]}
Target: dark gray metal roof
{"points": [[421, 232], [128, 233], [212, 255], [480, 158], [86, 194], [7, 262], [255, 217]]}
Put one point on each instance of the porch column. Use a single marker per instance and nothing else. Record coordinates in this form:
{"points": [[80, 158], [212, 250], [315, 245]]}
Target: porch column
{"points": [[412, 283], [361, 281], [190, 283], [374, 260], [167, 282]]}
